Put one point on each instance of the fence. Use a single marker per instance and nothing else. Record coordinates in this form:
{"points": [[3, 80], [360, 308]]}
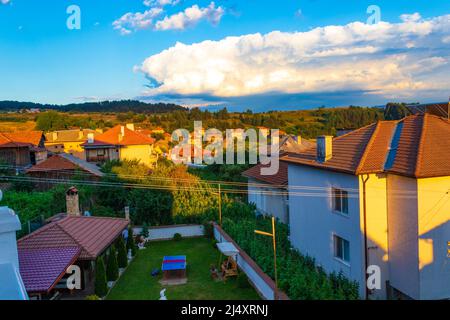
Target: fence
{"points": [[167, 232], [261, 281]]}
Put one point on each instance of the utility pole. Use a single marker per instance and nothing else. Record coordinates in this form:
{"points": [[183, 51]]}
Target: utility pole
{"points": [[273, 235]]}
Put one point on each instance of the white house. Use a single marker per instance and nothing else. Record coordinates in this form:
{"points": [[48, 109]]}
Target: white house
{"points": [[269, 192], [11, 284], [378, 196]]}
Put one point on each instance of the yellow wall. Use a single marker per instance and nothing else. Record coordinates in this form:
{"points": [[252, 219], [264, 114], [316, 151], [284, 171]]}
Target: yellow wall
{"points": [[143, 153], [377, 229], [69, 147], [434, 232]]}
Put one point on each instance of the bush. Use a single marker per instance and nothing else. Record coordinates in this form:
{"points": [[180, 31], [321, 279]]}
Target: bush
{"points": [[92, 297], [112, 269], [144, 232], [242, 281], [209, 230], [177, 237], [101, 287], [122, 259]]}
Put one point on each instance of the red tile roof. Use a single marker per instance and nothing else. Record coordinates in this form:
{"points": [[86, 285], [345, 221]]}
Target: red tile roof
{"points": [[92, 234], [114, 137], [20, 139], [280, 178], [416, 146], [53, 163]]}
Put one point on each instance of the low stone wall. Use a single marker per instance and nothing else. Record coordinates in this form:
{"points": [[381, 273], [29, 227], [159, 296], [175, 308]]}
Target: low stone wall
{"points": [[167, 232]]}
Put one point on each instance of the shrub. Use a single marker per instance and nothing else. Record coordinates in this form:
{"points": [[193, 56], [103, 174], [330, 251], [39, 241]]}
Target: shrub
{"points": [[177, 237], [214, 243], [92, 297], [144, 232], [101, 287], [209, 230], [242, 281], [122, 259], [112, 269]]}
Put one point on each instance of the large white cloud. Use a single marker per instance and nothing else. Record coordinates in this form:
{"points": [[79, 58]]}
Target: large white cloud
{"points": [[388, 58], [133, 21]]}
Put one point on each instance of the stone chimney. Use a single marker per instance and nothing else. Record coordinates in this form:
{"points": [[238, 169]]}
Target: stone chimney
{"points": [[9, 224], [90, 137], [72, 202], [130, 126], [324, 148]]}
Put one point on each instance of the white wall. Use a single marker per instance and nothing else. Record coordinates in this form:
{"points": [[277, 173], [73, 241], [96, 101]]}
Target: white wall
{"points": [[269, 204], [403, 245], [313, 222], [167, 232]]}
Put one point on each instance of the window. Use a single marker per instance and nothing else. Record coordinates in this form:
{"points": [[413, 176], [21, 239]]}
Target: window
{"points": [[341, 248], [340, 201]]}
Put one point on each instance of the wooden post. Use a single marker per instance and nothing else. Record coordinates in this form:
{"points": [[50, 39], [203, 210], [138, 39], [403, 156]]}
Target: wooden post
{"points": [[220, 207]]}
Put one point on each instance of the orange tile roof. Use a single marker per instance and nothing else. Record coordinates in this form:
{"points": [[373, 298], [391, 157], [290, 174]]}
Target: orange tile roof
{"points": [[416, 146], [114, 137], [20, 138], [92, 234]]}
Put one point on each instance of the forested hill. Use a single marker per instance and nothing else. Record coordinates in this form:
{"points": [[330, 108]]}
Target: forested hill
{"points": [[104, 106]]}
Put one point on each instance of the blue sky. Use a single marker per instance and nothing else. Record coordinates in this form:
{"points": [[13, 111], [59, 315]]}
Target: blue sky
{"points": [[41, 60]]}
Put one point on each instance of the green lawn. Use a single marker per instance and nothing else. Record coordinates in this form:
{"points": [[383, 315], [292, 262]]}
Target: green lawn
{"points": [[138, 284]]}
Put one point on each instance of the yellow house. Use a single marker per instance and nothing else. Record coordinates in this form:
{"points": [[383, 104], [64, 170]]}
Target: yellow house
{"points": [[68, 141], [374, 204], [120, 143]]}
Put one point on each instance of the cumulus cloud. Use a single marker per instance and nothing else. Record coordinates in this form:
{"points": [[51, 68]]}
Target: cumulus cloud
{"points": [[190, 17], [4, 1], [131, 22], [385, 58]]}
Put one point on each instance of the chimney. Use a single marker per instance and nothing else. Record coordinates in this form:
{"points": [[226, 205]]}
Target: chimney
{"points": [[90, 138], [324, 148], [9, 224], [130, 126], [72, 202], [80, 134], [298, 139], [127, 213]]}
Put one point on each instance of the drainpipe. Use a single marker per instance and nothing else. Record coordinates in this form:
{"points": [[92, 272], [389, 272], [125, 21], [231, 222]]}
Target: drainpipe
{"points": [[365, 178]]}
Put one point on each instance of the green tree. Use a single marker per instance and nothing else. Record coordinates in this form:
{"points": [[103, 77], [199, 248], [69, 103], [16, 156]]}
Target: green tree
{"points": [[112, 269], [122, 259], [101, 287], [51, 120]]}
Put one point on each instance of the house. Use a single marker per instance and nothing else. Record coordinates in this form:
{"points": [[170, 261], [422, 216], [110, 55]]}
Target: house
{"points": [[67, 240], [12, 286], [120, 143], [22, 149], [378, 199], [69, 141], [269, 192], [62, 166]]}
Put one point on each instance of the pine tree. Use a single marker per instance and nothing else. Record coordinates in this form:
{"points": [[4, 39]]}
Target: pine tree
{"points": [[130, 242], [122, 258], [112, 270], [101, 287]]}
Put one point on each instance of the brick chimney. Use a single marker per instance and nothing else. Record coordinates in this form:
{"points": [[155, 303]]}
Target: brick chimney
{"points": [[72, 202], [324, 148]]}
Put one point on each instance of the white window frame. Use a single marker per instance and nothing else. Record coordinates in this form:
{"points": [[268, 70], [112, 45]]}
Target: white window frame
{"points": [[341, 195], [339, 241]]}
